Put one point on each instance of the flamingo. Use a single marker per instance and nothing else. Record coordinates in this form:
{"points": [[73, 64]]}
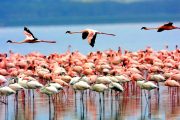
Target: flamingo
{"points": [[103, 80], [30, 38], [56, 85], [2, 79], [122, 78], [168, 26], [15, 86], [81, 85], [113, 79], [147, 85], [49, 90], [32, 84], [29, 84], [157, 78], [116, 86], [90, 34], [74, 80], [6, 91], [171, 83], [100, 88]]}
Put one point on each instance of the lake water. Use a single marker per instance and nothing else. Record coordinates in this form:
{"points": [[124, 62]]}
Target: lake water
{"points": [[128, 36], [126, 106]]}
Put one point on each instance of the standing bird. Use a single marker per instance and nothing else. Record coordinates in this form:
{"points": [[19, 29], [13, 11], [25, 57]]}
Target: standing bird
{"points": [[168, 26], [6, 91], [90, 34], [30, 38]]}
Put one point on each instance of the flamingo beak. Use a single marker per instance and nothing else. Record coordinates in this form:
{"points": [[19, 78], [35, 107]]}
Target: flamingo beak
{"points": [[143, 28], [68, 32], [9, 41]]}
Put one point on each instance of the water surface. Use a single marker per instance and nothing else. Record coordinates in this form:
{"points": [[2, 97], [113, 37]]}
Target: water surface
{"points": [[129, 105]]}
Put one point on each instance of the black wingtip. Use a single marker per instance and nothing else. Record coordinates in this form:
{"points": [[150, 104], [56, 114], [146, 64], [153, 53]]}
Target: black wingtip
{"points": [[92, 46], [160, 30], [68, 31], [9, 41]]}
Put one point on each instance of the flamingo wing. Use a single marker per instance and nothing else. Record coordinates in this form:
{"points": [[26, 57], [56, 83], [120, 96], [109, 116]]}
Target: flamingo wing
{"points": [[160, 30], [28, 34], [168, 24], [92, 40], [85, 34]]}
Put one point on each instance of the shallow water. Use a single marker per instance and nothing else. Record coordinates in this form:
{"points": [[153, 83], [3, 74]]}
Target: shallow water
{"points": [[124, 106]]}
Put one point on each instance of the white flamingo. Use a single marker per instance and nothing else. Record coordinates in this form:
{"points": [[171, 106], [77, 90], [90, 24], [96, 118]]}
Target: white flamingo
{"points": [[90, 34], [116, 86], [6, 91], [100, 88], [30, 38]]}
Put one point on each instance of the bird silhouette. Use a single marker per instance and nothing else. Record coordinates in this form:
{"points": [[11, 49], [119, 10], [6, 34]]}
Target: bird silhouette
{"points": [[30, 38]]}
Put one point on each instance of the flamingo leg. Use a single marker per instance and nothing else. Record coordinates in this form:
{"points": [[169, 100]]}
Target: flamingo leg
{"points": [[49, 107], [149, 103]]}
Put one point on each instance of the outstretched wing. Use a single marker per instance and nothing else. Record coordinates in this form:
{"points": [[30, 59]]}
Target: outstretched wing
{"points": [[92, 41], [29, 34], [168, 24]]}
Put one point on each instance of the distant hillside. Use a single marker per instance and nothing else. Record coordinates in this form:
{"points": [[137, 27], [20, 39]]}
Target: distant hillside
{"points": [[52, 12]]}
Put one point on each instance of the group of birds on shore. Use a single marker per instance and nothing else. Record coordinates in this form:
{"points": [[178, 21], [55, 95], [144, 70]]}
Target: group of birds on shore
{"points": [[97, 71], [88, 34]]}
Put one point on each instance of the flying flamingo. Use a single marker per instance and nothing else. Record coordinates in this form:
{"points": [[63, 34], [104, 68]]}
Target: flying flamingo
{"points": [[30, 38], [90, 34], [168, 26]]}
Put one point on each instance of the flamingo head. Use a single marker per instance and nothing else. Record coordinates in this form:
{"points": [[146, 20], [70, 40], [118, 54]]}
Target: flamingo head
{"points": [[144, 28], [25, 28], [68, 32], [9, 41]]}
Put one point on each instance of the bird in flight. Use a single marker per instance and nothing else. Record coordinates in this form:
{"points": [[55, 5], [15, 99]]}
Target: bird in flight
{"points": [[30, 38], [90, 34], [168, 26]]}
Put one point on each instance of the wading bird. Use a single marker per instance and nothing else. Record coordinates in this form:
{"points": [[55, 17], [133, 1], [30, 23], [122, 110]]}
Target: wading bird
{"points": [[30, 38], [90, 34], [168, 26]]}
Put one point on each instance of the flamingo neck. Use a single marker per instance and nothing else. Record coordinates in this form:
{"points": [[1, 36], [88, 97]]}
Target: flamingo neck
{"points": [[152, 28], [74, 32]]}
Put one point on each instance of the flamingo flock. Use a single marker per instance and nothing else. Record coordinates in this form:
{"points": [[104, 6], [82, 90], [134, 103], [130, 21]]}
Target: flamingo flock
{"points": [[96, 71]]}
